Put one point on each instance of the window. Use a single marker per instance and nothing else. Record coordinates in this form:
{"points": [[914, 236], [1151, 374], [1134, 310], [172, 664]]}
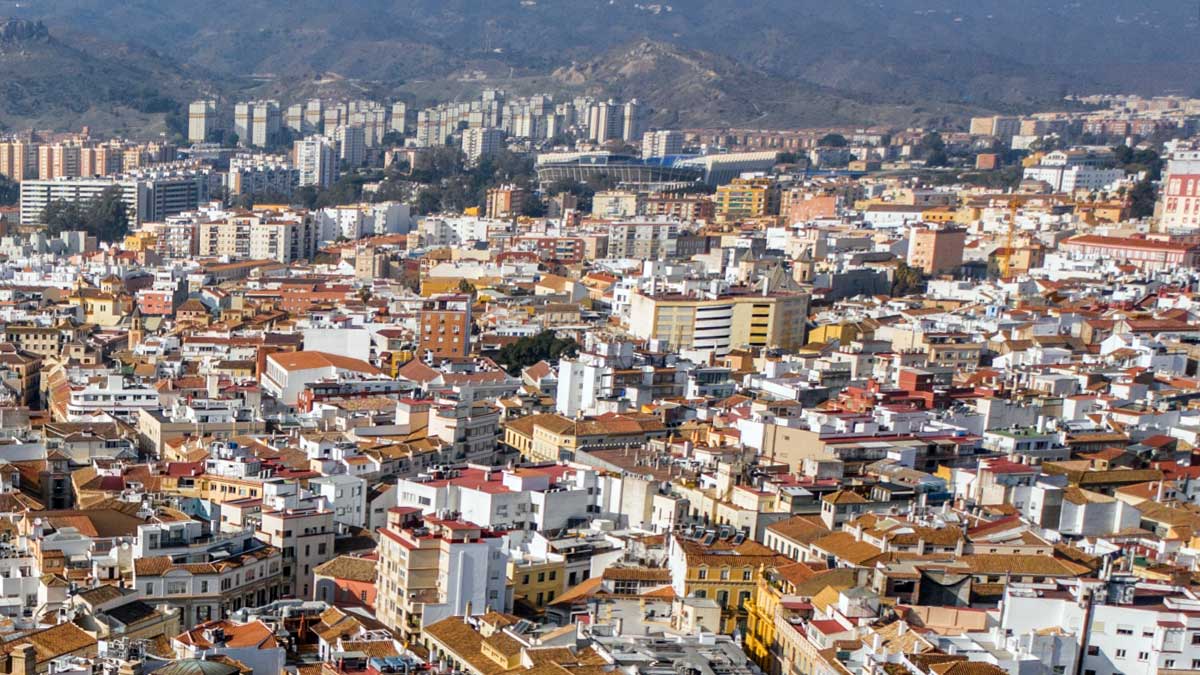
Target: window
{"points": [[1093, 650], [362, 595], [1196, 638], [541, 577], [1124, 630], [150, 589], [525, 579], [1120, 653], [1143, 656], [701, 573], [746, 574], [553, 575]]}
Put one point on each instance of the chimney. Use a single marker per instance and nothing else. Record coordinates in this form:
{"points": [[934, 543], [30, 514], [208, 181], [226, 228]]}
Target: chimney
{"points": [[24, 659]]}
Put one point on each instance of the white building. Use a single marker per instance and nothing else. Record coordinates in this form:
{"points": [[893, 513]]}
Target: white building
{"points": [[352, 144], [479, 142], [316, 158]]}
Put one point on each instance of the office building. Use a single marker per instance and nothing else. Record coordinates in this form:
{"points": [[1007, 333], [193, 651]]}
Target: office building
{"points": [[719, 322], [149, 196]]}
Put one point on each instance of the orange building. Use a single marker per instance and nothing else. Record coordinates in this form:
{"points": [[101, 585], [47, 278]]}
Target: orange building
{"points": [[935, 249], [346, 581], [446, 326]]}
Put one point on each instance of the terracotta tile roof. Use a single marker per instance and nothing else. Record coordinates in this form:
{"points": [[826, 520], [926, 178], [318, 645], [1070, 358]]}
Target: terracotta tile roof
{"points": [[314, 360], [349, 568], [51, 643]]}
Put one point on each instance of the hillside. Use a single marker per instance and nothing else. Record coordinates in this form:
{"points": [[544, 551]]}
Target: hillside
{"points": [[803, 61], [47, 83], [693, 88]]}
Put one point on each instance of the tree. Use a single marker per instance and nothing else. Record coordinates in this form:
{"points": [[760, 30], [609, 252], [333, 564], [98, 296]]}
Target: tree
{"points": [[10, 191], [907, 280], [529, 350], [105, 217], [933, 149], [108, 217], [62, 216], [832, 141], [1142, 199]]}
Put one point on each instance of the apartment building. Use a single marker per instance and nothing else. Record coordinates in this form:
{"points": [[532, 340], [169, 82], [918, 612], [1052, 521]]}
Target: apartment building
{"points": [[436, 568], [747, 198], [203, 591], [202, 120], [316, 159], [479, 142], [445, 325], [305, 536], [282, 236], [936, 249]]}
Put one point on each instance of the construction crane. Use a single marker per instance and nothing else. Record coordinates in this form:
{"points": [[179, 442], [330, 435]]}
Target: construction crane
{"points": [[1004, 260]]}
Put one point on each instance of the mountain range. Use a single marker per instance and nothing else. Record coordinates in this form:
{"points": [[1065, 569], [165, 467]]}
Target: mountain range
{"points": [[695, 62]]}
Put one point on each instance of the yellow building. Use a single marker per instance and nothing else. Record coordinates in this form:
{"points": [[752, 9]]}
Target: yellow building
{"points": [[100, 307], [781, 594], [747, 198], [735, 320], [141, 241], [844, 332], [551, 437], [537, 581], [220, 489], [721, 571]]}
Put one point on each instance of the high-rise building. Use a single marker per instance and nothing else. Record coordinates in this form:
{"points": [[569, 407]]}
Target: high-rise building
{"points": [[18, 160], [480, 142], [663, 143], [352, 144], [445, 325], [316, 158], [294, 119], [265, 123], [399, 121], [202, 119], [631, 122], [242, 113], [58, 160], [314, 116]]}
